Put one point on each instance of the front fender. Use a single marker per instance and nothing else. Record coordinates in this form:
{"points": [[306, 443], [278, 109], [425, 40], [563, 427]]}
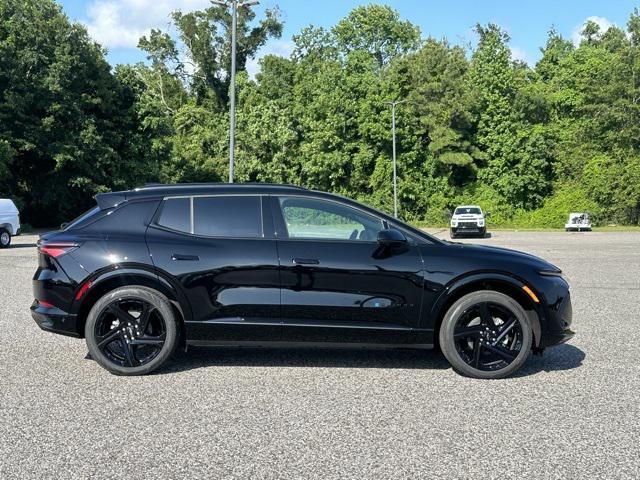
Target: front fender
{"points": [[501, 281]]}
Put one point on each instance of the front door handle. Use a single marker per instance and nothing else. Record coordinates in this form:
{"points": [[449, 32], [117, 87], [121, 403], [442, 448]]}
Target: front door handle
{"points": [[178, 256], [305, 261]]}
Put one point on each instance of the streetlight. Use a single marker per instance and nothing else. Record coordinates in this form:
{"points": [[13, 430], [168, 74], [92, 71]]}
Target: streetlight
{"points": [[234, 4], [395, 171]]}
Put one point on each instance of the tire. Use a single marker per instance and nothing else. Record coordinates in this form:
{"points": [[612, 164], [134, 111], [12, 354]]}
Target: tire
{"points": [[5, 238], [463, 330], [112, 331]]}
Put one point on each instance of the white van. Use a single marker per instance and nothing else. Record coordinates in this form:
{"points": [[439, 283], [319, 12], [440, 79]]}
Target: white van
{"points": [[9, 222]]}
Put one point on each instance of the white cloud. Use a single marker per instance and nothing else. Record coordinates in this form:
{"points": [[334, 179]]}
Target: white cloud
{"points": [[519, 54], [602, 22], [282, 48], [121, 23]]}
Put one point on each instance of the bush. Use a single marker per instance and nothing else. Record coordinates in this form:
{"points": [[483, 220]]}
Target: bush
{"points": [[552, 214]]}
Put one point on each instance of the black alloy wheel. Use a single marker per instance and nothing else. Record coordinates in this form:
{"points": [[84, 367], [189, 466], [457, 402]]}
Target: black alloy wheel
{"points": [[486, 335], [131, 331]]}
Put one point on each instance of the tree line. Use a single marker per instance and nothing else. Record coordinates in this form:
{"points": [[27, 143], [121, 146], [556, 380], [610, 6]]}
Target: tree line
{"points": [[529, 143]]}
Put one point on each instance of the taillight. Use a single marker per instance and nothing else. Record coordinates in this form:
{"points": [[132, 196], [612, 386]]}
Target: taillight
{"points": [[56, 249], [42, 303]]}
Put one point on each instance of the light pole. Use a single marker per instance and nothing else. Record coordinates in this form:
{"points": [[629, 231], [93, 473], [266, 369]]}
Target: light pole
{"points": [[234, 4], [395, 170]]}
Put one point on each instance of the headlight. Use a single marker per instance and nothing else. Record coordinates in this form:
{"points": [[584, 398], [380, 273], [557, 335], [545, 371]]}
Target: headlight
{"points": [[454, 223], [481, 223]]}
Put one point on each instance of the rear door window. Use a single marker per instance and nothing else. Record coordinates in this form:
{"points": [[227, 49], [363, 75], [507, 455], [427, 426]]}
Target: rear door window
{"points": [[228, 216], [176, 214]]}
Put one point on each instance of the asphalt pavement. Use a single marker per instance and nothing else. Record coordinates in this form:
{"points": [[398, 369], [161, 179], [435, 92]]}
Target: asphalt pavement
{"points": [[304, 413]]}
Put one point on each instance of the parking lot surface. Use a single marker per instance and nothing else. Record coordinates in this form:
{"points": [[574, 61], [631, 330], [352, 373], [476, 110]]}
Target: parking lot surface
{"points": [[251, 413]]}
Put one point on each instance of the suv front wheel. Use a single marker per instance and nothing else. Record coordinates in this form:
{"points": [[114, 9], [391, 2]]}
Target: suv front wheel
{"points": [[486, 334], [131, 331]]}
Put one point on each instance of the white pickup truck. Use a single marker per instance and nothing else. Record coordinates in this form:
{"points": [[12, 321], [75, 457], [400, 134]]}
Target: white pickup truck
{"points": [[9, 222], [468, 220]]}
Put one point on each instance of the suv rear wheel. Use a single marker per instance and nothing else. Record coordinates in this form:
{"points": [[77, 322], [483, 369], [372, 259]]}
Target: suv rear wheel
{"points": [[486, 334], [131, 331]]}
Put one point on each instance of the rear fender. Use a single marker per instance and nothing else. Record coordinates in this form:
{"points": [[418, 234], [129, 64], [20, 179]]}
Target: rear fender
{"points": [[108, 279]]}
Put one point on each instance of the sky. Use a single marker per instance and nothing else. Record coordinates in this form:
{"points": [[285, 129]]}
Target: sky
{"points": [[118, 24]]}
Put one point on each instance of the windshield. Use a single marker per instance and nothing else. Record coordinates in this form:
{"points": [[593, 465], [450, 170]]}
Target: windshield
{"points": [[467, 211]]}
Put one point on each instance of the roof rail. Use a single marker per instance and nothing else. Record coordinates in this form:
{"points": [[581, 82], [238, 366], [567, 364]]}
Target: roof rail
{"points": [[218, 184]]}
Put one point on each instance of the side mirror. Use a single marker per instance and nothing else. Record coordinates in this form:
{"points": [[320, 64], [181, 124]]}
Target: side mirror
{"points": [[391, 237], [487, 214]]}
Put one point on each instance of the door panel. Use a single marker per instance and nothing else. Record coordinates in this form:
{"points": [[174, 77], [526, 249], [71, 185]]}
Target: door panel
{"points": [[232, 284], [352, 295], [337, 290]]}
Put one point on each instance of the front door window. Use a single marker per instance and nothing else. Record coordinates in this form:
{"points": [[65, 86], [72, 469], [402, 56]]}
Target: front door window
{"points": [[319, 219]]}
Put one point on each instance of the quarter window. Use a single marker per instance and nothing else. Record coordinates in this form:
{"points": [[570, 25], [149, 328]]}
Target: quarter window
{"points": [[313, 218], [176, 214], [228, 216]]}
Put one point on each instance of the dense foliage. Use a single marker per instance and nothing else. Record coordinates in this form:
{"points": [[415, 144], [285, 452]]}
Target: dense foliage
{"points": [[528, 143]]}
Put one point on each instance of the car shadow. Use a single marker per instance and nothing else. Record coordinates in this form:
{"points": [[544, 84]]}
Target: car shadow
{"points": [[559, 358], [472, 237], [202, 357], [563, 357], [21, 245]]}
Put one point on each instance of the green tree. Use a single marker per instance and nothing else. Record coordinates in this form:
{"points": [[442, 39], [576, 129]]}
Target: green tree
{"points": [[518, 166], [184, 103], [526, 143], [378, 30], [202, 57], [440, 99], [556, 49], [63, 115]]}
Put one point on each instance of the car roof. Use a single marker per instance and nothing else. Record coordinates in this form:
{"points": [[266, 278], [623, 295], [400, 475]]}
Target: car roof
{"points": [[169, 189], [112, 199], [468, 206], [156, 190]]}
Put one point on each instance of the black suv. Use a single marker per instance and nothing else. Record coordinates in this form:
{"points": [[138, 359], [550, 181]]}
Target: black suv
{"points": [[163, 266]]}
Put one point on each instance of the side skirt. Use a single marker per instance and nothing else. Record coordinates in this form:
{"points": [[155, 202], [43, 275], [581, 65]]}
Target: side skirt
{"points": [[258, 344]]}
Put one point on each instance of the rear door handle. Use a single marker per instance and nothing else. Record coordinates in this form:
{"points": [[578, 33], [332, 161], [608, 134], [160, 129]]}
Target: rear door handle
{"points": [[305, 261], [178, 256]]}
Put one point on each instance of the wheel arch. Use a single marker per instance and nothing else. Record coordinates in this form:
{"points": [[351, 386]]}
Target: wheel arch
{"points": [[502, 283], [107, 281]]}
